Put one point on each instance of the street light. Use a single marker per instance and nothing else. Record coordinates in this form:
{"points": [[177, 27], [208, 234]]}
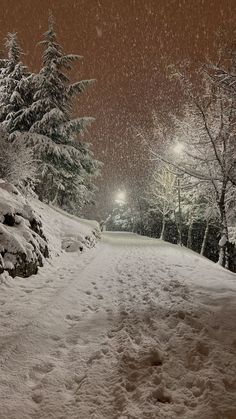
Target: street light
{"points": [[120, 197]]}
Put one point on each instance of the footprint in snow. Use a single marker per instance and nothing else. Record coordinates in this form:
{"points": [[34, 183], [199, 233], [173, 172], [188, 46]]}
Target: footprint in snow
{"points": [[38, 372], [49, 280], [62, 345], [95, 356], [160, 395], [73, 317], [57, 353], [42, 368], [202, 348], [56, 338], [72, 340]]}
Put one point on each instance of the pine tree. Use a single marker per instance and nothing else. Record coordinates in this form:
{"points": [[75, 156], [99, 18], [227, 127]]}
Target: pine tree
{"points": [[17, 163], [14, 86], [67, 163]]}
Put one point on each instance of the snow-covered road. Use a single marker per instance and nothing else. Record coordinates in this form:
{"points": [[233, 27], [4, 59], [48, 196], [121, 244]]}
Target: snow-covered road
{"points": [[133, 329]]}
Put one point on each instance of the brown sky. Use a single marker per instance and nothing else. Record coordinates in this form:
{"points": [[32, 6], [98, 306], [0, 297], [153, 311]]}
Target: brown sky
{"points": [[126, 45]]}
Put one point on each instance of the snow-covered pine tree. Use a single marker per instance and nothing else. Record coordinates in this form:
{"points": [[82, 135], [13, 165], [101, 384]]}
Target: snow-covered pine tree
{"points": [[17, 163], [67, 163], [15, 87], [2, 62]]}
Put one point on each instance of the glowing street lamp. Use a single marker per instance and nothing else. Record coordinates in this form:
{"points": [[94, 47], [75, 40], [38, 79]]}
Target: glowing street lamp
{"points": [[120, 198]]}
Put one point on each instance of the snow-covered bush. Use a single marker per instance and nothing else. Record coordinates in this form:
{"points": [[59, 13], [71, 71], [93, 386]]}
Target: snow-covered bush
{"points": [[22, 242]]}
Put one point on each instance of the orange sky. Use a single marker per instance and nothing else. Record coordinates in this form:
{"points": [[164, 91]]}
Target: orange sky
{"points": [[127, 45]]}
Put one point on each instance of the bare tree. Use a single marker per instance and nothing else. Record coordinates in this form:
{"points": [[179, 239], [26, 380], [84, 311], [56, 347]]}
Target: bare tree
{"points": [[206, 130], [162, 195]]}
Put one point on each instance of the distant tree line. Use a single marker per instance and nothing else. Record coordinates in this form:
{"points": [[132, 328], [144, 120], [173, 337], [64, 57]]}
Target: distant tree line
{"points": [[200, 232], [41, 144], [191, 197]]}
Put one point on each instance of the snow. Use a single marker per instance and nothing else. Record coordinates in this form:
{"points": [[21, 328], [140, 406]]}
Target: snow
{"points": [[232, 234], [65, 231], [134, 328]]}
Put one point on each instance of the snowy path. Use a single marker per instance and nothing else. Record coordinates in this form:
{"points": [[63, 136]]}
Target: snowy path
{"points": [[128, 330]]}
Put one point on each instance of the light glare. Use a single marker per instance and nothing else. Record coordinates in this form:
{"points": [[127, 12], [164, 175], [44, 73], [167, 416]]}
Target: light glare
{"points": [[120, 197]]}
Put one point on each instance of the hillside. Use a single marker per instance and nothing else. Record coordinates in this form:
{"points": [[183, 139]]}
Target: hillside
{"points": [[32, 232]]}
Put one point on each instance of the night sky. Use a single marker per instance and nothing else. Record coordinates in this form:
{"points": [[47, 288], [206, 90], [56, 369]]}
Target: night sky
{"points": [[127, 46]]}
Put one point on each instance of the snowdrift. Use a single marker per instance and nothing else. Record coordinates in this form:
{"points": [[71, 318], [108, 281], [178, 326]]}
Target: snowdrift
{"points": [[31, 231], [66, 232]]}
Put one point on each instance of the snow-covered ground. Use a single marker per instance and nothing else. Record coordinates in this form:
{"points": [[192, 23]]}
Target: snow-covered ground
{"points": [[133, 329]]}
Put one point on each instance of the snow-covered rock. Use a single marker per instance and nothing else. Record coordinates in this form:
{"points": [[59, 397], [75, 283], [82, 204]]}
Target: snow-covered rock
{"points": [[23, 244]]}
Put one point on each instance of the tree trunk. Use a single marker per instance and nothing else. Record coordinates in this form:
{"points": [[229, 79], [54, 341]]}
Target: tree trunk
{"points": [[179, 238], [180, 224], [204, 242], [162, 236], [190, 231], [224, 238], [55, 199]]}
